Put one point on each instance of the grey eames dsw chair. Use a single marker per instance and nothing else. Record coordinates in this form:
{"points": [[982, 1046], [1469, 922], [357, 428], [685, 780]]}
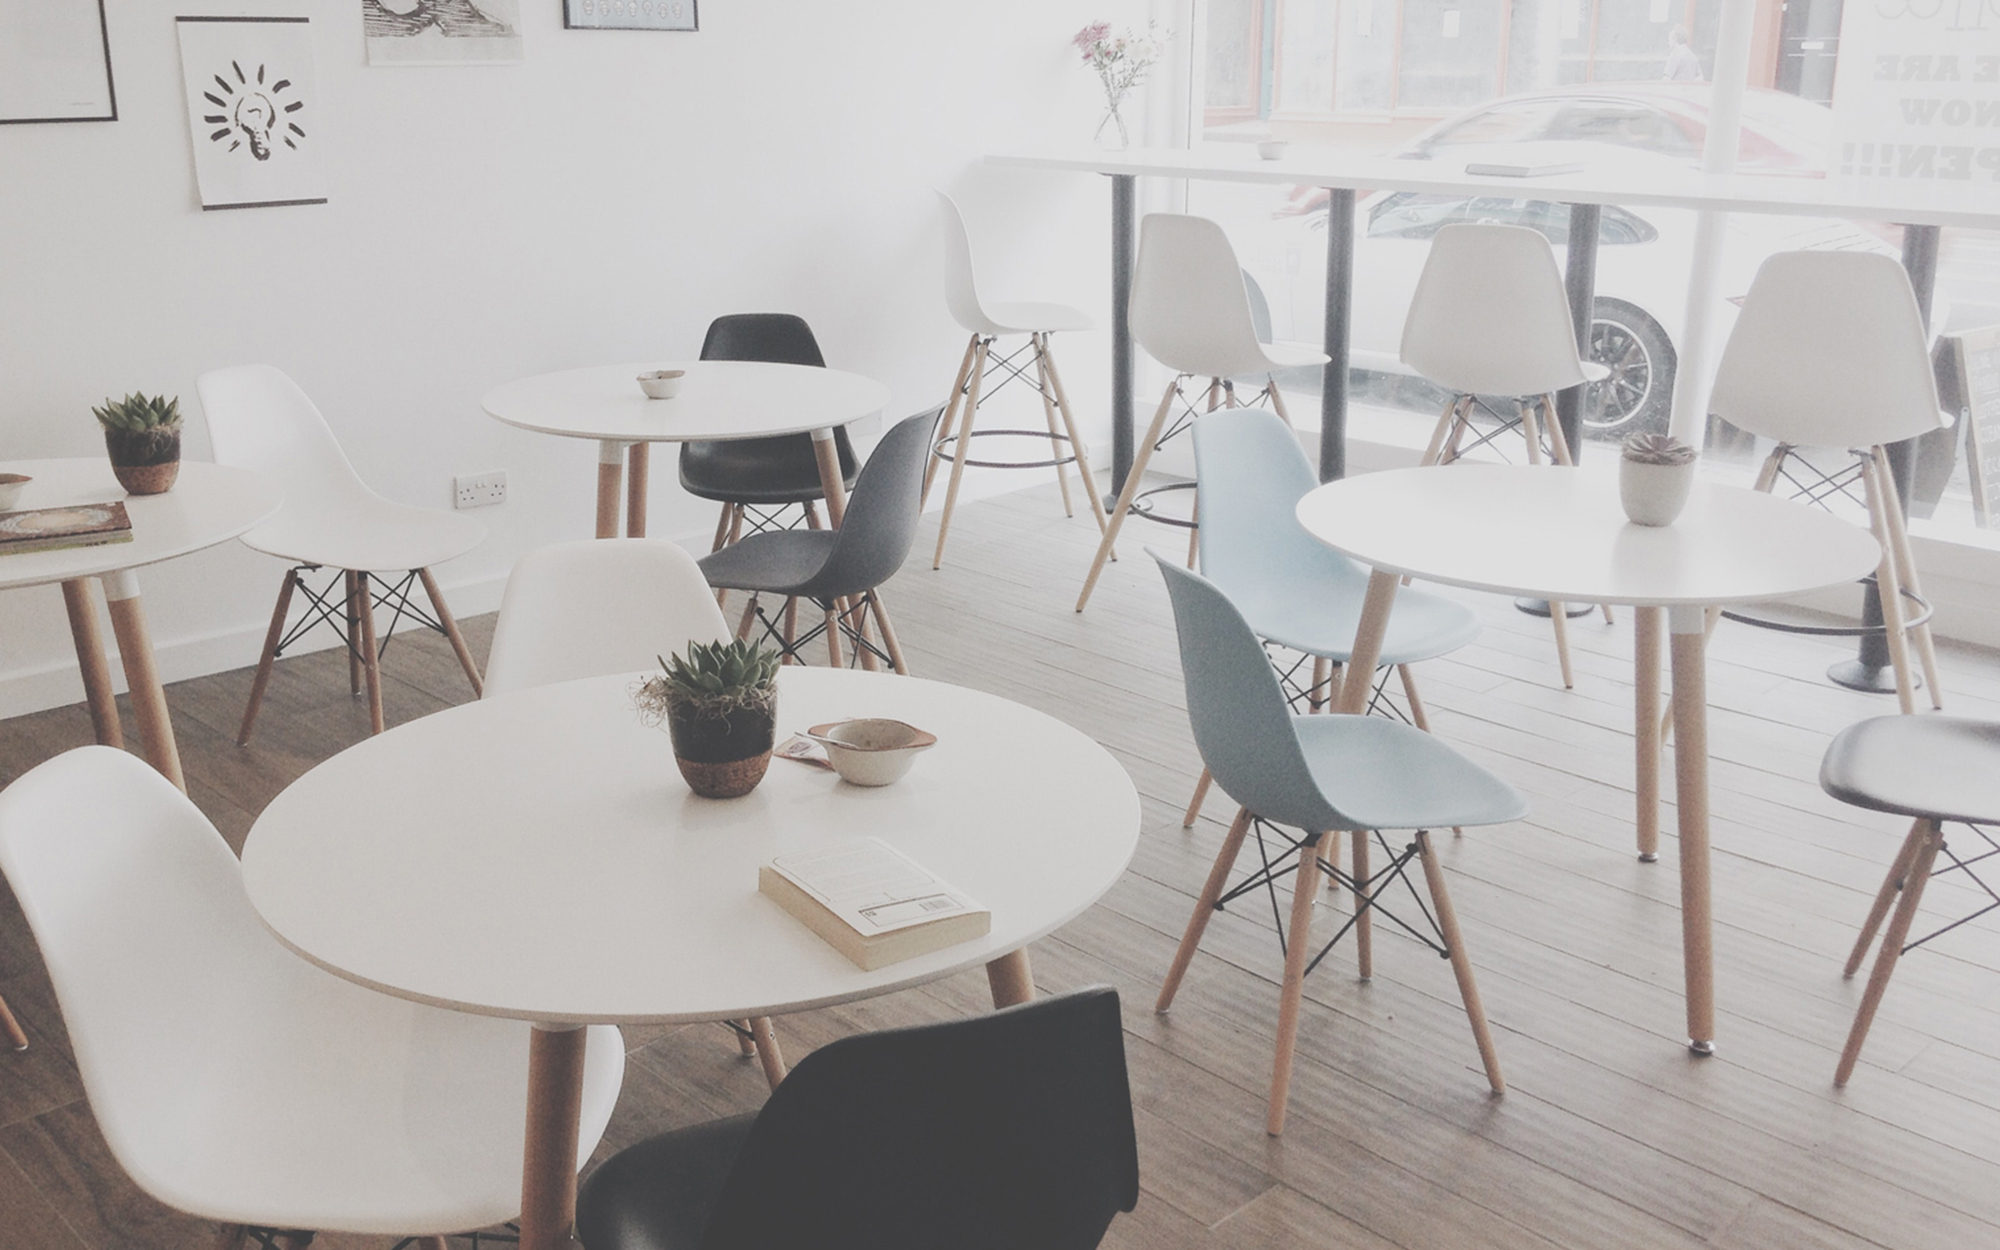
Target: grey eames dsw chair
{"points": [[755, 479], [996, 1132], [1320, 775], [838, 571], [1294, 590]]}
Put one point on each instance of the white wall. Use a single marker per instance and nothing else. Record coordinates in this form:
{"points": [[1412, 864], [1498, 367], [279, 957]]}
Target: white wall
{"points": [[599, 202]]}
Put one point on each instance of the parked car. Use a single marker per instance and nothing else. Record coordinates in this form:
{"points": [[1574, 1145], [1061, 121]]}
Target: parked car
{"points": [[1644, 257]]}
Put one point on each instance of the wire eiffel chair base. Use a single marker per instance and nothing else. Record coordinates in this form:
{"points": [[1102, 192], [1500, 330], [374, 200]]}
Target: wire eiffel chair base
{"points": [[849, 621], [1965, 865], [512, 1237], [1367, 892], [329, 607], [1504, 424]]}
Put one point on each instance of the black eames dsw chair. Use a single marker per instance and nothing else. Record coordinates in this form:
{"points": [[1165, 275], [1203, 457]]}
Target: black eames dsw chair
{"points": [[996, 1132]]}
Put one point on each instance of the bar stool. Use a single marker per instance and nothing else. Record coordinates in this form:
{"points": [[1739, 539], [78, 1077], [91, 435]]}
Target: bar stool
{"points": [[1191, 312], [1829, 352], [1935, 769], [987, 322], [1489, 318]]}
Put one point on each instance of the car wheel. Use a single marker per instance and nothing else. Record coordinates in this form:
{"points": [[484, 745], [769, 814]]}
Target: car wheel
{"points": [[1637, 396]]}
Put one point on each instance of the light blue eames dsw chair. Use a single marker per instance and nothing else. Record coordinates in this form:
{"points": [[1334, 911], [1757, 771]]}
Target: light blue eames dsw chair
{"points": [[1293, 589], [1321, 775]]}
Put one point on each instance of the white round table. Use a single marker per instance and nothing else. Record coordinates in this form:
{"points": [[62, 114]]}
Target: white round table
{"points": [[209, 504], [628, 899], [1562, 536], [718, 400]]}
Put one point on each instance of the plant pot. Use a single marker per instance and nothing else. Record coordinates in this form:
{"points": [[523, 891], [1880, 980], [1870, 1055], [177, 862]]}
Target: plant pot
{"points": [[722, 755], [1654, 494], [146, 461]]}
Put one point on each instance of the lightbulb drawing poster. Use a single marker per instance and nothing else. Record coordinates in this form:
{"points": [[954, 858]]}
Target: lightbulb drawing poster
{"points": [[252, 110]]}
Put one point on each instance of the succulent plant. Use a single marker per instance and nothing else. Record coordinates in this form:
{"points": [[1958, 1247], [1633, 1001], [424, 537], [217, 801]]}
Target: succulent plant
{"points": [[1660, 449], [711, 678], [136, 414]]}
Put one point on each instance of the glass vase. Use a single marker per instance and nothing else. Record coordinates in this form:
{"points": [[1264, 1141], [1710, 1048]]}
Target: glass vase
{"points": [[1111, 133]]}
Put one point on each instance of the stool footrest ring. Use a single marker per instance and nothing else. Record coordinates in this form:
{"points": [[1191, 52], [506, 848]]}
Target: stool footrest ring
{"points": [[937, 449]]}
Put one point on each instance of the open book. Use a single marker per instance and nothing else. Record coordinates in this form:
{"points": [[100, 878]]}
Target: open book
{"points": [[871, 902], [80, 525]]}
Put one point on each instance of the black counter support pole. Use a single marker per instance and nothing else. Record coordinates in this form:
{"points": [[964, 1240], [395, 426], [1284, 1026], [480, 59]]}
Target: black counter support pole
{"points": [[1580, 280], [1870, 670], [1339, 311], [1123, 198]]}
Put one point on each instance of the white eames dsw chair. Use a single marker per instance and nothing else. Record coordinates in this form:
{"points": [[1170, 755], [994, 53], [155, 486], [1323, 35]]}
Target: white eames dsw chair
{"points": [[1191, 312], [986, 322], [595, 607], [1829, 352], [258, 418], [601, 606], [233, 1080], [1490, 317]]}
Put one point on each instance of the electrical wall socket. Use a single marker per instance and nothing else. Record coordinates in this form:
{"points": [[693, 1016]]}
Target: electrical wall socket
{"points": [[479, 490]]}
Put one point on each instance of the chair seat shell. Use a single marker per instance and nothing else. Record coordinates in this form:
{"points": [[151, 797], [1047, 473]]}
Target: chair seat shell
{"points": [[1941, 767]]}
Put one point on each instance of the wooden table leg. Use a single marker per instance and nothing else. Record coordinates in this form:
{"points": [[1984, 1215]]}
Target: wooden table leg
{"points": [[827, 453], [1011, 979], [641, 457], [90, 660], [610, 476], [1646, 624], [1687, 628], [142, 679], [555, 1110], [1359, 674]]}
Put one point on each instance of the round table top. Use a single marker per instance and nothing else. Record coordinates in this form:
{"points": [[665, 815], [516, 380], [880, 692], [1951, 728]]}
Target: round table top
{"points": [[537, 855], [1561, 534], [209, 504], [719, 399]]}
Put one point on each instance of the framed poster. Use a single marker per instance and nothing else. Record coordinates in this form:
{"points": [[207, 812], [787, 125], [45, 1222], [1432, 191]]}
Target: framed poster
{"points": [[630, 15], [442, 32], [252, 109], [55, 62]]}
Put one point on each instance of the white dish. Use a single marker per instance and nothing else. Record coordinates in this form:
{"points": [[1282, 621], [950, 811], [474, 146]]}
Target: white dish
{"points": [[662, 383], [11, 486], [872, 751], [1273, 149]]}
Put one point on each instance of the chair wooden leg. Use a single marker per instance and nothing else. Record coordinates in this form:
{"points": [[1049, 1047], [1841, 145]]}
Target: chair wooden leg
{"points": [[1444, 423], [1461, 963], [1416, 701], [791, 627], [433, 1243], [950, 411], [812, 516], [1906, 570], [371, 656], [961, 450], [272, 636], [746, 1044], [1459, 426], [1144, 454], [1531, 430], [1888, 580], [1204, 907], [890, 643], [1364, 916], [1049, 415], [458, 647], [1891, 885], [1559, 619], [353, 634], [749, 618], [88, 639], [768, 1052], [1194, 535], [12, 1027], [1892, 947], [833, 639], [1298, 951], [855, 613], [1200, 796], [1558, 441], [1319, 697], [722, 527], [1075, 439], [1278, 405]]}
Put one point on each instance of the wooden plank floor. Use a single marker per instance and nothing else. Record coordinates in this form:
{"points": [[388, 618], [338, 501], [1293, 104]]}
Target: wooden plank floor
{"points": [[1611, 1135]]}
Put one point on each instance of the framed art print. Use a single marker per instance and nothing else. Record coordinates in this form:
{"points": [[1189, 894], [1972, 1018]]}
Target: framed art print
{"points": [[55, 62], [253, 110], [442, 32], [630, 15]]}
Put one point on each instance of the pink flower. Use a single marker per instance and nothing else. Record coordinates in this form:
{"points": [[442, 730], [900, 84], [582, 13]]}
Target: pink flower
{"points": [[1091, 35]]}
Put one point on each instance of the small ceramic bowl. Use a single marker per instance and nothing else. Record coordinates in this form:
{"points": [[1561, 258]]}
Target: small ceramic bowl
{"points": [[11, 485], [662, 383], [871, 752], [1273, 149]]}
